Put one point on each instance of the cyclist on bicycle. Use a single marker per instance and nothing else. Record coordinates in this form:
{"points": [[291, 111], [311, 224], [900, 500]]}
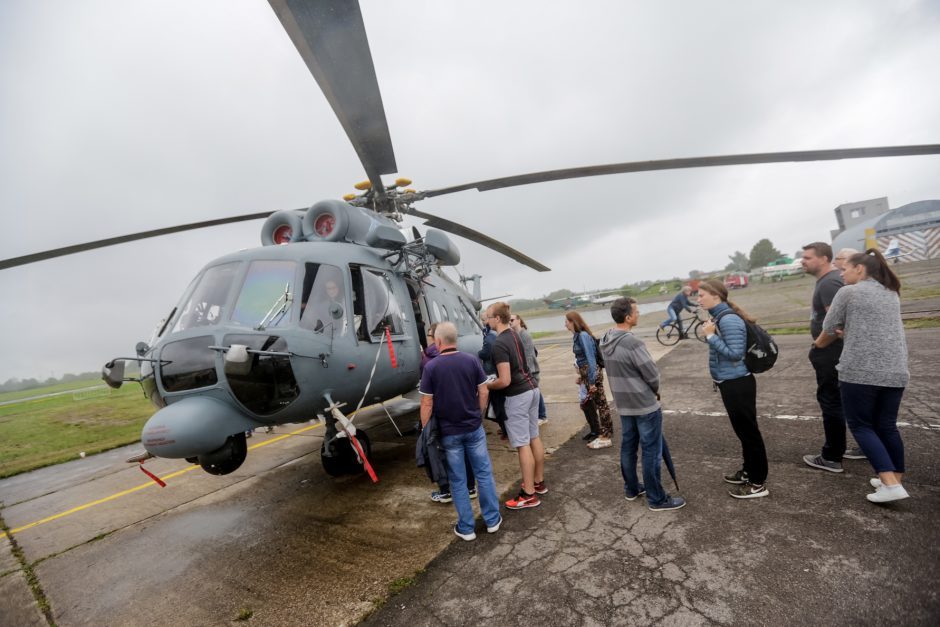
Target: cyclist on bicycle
{"points": [[680, 302]]}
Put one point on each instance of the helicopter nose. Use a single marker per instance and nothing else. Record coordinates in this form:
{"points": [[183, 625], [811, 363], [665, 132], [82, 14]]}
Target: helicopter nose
{"points": [[193, 426]]}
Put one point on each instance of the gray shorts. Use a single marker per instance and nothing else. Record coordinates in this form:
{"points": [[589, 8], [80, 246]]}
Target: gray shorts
{"points": [[522, 417]]}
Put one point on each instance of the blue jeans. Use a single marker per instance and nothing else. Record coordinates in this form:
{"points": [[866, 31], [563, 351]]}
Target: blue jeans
{"points": [[647, 431], [673, 317], [872, 414], [471, 446]]}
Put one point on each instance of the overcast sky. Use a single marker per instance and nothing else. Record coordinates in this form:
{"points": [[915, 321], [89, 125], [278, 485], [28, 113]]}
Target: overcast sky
{"points": [[123, 115]]}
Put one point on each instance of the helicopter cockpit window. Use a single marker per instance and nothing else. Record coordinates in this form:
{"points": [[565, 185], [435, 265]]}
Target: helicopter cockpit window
{"points": [[206, 303], [266, 294], [323, 300], [375, 305]]}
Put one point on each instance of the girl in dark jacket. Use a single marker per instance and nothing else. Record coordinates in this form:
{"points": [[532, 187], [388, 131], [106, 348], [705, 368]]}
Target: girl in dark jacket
{"points": [[726, 335], [591, 375]]}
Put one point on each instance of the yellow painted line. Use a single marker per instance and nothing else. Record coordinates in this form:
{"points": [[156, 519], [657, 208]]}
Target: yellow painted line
{"points": [[149, 484]]}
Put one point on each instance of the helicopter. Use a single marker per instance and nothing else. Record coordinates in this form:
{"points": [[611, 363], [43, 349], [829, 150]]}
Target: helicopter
{"points": [[332, 310]]}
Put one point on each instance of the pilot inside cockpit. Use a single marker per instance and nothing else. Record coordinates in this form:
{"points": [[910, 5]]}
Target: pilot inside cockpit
{"points": [[324, 311]]}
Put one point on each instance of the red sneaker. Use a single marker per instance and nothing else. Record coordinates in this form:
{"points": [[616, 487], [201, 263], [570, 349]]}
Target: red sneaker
{"points": [[523, 501], [540, 487]]}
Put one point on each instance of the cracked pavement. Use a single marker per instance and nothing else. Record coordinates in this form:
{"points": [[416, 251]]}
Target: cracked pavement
{"points": [[814, 552]]}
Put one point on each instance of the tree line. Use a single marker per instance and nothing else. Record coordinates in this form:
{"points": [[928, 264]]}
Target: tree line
{"points": [[15, 384]]}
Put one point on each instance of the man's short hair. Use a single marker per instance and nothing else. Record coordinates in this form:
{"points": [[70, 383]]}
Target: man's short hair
{"points": [[822, 249], [446, 332], [622, 308], [500, 310], [687, 289]]}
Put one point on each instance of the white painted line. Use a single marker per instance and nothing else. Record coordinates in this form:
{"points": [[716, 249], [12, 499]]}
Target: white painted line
{"points": [[715, 414]]}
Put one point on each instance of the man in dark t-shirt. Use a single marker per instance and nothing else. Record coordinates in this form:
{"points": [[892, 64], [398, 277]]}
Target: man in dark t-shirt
{"points": [[453, 388], [817, 261], [521, 407]]}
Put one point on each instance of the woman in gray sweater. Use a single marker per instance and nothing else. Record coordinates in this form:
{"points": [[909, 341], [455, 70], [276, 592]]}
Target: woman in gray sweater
{"points": [[873, 368]]}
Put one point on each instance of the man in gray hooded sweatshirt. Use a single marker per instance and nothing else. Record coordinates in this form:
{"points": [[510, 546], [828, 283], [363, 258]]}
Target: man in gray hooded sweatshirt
{"points": [[634, 381]]}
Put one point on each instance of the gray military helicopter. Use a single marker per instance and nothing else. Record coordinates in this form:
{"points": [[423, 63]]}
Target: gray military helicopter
{"points": [[331, 311]]}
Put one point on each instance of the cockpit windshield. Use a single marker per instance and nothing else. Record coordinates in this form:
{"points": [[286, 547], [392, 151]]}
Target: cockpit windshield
{"points": [[206, 304], [266, 295]]}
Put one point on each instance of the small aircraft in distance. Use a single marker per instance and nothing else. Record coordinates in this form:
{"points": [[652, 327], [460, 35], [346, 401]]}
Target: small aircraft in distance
{"points": [[893, 251], [782, 267], [579, 300]]}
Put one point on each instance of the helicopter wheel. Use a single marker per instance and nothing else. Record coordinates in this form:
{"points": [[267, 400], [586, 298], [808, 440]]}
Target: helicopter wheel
{"points": [[343, 460], [226, 458]]}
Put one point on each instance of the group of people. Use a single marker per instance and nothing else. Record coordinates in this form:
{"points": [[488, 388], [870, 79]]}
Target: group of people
{"points": [[859, 356]]}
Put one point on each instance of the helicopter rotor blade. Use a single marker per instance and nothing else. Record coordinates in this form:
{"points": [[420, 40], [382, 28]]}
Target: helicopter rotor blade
{"points": [[692, 162], [331, 38], [479, 238], [112, 241]]}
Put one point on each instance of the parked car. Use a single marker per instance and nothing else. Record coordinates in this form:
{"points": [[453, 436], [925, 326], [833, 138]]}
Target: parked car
{"points": [[736, 280]]}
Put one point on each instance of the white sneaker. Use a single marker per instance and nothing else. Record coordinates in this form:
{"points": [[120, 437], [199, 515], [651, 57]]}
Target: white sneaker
{"points": [[885, 494], [465, 536], [875, 482], [600, 443], [495, 527]]}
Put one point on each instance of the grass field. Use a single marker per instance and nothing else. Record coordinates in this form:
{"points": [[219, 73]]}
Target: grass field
{"points": [[55, 429]]}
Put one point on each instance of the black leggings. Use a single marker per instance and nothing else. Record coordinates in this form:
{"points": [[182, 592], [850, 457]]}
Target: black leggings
{"points": [[740, 399]]}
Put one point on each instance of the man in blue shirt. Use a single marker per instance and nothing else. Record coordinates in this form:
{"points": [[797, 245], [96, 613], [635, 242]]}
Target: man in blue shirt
{"points": [[453, 388]]}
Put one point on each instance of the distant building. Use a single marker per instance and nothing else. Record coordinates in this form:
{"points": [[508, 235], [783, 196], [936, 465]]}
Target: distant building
{"points": [[852, 213], [915, 226]]}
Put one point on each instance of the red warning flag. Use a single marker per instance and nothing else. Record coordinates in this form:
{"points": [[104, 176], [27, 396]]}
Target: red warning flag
{"points": [[391, 349], [160, 482]]}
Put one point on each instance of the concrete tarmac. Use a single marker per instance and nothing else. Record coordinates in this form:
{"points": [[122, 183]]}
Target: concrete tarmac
{"points": [[815, 552], [278, 542]]}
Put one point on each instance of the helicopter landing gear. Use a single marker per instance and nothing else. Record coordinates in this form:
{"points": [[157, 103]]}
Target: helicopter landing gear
{"points": [[227, 458], [345, 450], [339, 457]]}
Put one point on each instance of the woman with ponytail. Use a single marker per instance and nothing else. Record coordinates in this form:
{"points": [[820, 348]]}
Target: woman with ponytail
{"points": [[873, 368], [591, 376], [726, 335]]}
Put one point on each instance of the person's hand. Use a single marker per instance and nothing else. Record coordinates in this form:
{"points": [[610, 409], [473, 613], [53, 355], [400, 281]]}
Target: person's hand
{"points": [[577, 381], [592, 389], [708, 326], [840, 332]]}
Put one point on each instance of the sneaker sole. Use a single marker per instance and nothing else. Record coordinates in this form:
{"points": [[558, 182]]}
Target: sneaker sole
{"points": [[526, 506], [666, 509], [495, 527], [735, 481], [854, 457], [466, 537], [813, 465], [750, 496], [891, 500], [633, 498]]}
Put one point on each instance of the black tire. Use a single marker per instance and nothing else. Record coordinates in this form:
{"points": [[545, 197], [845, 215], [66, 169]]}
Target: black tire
{"points": [[226, 458], [343, 460], [699, 333], [668, 336]]}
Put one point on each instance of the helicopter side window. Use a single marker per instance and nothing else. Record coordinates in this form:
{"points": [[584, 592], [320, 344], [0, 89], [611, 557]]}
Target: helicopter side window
{"points": [[266, 294], [207, 301], [437, 311], [323, 300], [375, 306]]}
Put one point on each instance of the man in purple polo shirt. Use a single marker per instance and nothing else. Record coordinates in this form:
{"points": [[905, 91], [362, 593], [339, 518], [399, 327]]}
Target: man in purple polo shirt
{"points": [[453, 388]]}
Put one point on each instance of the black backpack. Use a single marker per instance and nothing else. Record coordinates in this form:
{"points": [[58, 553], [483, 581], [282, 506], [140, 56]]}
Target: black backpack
{"points": [[598, 357], [761, 353]]}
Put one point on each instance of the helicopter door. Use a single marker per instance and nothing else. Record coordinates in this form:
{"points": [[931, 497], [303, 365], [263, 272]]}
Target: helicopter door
{"points": [[323, 303], [375, 306]]}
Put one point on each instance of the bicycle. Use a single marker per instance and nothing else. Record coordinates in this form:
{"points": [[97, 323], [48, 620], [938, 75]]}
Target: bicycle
{"points": [[669, 335]]}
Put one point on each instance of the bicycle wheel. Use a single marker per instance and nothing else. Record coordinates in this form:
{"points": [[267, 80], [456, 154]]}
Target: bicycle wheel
{"points": [[668, 336], [699, 333]]}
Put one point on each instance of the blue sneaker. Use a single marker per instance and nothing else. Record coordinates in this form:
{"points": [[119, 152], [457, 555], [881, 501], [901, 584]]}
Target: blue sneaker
{"points": [[632, 497], [671, 503]]}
